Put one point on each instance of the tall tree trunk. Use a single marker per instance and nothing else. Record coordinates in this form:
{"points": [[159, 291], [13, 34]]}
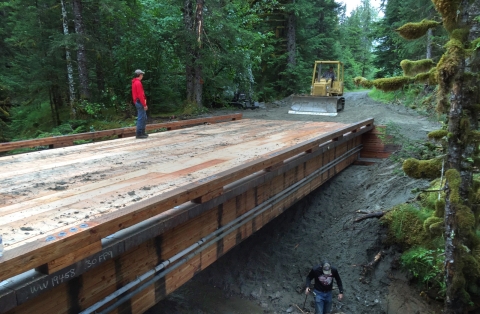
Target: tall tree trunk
{"points": [[321, 28], [198, 82], [189, 71], [429, 43], [71, 84], [81, 52], [100, 74], [291, 37], [463, 119], [366, 32], [57, 100], [52, 106]]}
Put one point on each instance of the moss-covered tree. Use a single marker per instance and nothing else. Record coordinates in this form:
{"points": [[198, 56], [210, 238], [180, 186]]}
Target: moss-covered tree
{"points": [[458, 77]]}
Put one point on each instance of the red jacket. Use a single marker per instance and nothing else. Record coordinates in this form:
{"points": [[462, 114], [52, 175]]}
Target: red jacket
{"points": [[137, 92]]}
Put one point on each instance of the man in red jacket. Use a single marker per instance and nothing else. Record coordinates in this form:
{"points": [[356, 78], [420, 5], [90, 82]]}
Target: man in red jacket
{"points": [[140, 101]]}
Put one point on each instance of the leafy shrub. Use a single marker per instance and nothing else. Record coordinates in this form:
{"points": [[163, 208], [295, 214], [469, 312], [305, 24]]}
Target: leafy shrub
{"points": [[193, 109], [30, 121], [425, 265], [414, 96]]}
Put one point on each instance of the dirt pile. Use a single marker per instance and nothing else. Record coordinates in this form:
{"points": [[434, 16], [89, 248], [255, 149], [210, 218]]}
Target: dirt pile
{"points": [[266, 272]]}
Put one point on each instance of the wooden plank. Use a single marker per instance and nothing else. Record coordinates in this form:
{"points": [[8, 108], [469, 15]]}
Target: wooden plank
{"points": [[67, 140], [69, 259], [142, 302], [210, 195], [39, 283], [64, 142], [53, 301], [121, 271], [100, 282], [188, 233], [28, 256], [274, 167], [100, 190]]}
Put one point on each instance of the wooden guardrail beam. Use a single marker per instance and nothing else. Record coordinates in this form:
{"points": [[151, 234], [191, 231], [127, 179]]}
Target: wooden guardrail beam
{"points": [[67, 140]]}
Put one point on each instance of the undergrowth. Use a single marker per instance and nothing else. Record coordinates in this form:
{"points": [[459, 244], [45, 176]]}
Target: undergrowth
{"points": [[392, 134], [426, 266], [418, 227], [422, 252], [194, 110], [415, 96], [40, 123]]}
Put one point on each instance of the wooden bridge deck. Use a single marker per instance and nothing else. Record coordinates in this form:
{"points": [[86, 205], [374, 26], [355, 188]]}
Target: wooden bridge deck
{"points": [[56, 206], [45, 192]]}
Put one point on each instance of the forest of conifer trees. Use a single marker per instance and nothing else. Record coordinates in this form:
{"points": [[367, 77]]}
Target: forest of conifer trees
{"points": [[67, 64]]}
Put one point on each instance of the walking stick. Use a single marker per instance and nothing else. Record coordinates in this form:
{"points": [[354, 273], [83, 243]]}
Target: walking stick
{"points": [[305, 301]]}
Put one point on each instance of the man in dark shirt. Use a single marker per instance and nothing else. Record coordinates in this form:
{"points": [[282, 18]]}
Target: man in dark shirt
{"points": [[323, 275], [329, 74]]}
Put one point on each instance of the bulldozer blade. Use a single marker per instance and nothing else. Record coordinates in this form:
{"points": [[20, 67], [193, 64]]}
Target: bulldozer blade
{"points": [[317, 105]]}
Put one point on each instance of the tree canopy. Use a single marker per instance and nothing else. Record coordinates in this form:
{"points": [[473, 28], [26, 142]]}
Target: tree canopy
{"points": [[67, 64]]}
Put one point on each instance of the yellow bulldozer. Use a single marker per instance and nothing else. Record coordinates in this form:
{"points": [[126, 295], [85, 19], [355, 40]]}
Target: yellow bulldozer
{"points": [[326, 92]]}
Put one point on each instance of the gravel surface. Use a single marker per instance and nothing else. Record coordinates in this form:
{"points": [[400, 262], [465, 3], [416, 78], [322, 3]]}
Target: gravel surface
{"points": [[266, 272]]}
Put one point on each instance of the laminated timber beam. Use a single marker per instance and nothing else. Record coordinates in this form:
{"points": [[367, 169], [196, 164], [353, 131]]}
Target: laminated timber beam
{"points": [[377, 145], [68, 140], [170, 227]]}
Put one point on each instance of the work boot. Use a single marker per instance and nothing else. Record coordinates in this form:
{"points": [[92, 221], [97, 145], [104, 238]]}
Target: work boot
{"points": [[144, 133], [141, 134]]}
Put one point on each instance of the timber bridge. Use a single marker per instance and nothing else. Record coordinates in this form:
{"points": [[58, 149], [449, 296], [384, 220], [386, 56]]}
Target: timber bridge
{"points": [[89, 228]]}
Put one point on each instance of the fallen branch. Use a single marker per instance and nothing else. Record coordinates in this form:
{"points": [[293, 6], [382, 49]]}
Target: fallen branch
{"points": [[372, 215], [375, 259], [370, 265], [361, 212]]}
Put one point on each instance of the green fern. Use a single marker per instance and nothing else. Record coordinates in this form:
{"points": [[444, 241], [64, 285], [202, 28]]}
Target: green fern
{"points": [[424, 264]]}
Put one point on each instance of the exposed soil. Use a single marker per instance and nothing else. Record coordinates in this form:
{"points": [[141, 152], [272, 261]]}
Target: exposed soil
{"points": [[266, 272]]}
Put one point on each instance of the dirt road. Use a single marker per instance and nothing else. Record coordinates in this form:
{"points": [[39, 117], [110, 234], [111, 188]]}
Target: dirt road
{"points": [[266, 273]]}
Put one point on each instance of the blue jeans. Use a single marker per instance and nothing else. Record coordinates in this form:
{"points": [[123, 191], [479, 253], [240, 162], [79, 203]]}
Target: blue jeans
{"points": [[323, 302], [141, 118]]}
